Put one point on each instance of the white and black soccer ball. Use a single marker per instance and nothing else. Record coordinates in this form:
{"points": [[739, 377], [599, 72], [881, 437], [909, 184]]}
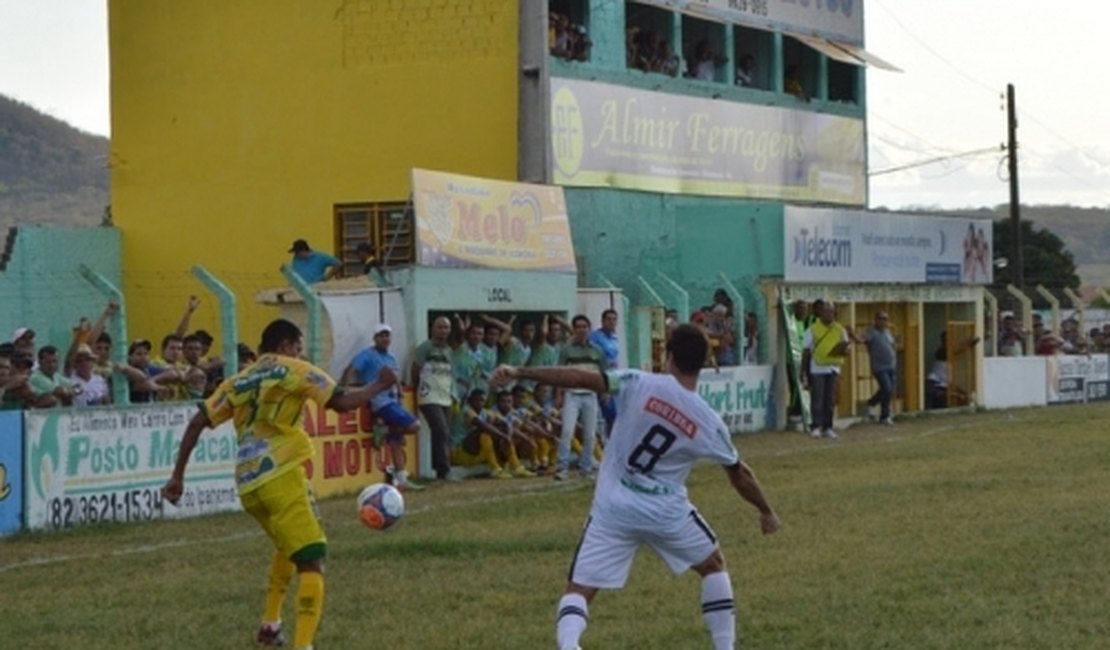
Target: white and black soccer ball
{"points": [[380, 506]]}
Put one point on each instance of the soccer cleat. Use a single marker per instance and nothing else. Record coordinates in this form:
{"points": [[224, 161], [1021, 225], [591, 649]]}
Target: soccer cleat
{"points": [[588, 474], [523, 472], [541, 470], [501, 472], [815, 433], [888, 421], [561, 475], [270, 634], [829, 433]]}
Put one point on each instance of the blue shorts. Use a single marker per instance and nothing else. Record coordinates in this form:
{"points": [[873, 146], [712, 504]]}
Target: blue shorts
{"points": [[397, 419]]}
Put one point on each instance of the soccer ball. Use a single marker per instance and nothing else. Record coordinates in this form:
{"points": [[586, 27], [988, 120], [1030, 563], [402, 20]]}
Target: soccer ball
{"points": [[380, 506]]}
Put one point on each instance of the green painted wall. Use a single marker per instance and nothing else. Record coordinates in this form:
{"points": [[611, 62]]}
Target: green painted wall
{"points": [[41, 288], [619, 235]]}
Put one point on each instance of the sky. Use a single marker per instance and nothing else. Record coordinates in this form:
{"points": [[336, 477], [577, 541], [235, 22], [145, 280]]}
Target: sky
{"points": [[957, 57]]}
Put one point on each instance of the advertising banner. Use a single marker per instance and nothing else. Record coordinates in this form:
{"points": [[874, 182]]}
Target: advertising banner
{"points": [[849, 246], [833, 18], [468, 222], [347, 458], [90, 465], [1077, 378], [605, 135], [11, 472], [740, 394]]}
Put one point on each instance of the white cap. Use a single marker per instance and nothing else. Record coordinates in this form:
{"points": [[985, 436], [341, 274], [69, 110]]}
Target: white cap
{"points": [[19, 332], [382, 327]]}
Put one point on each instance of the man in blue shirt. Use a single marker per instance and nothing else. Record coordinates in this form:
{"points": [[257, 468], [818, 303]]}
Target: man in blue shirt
{"points": [[312, 266], [605, 338], [386, 405]]}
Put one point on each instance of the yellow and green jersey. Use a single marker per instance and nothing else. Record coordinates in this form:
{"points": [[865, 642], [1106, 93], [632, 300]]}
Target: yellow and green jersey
{"points": [[266, 402]]}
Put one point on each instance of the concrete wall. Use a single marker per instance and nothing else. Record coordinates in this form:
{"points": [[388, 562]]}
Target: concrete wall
{"points": [[619, 235], [237, 126], [41, 288]]}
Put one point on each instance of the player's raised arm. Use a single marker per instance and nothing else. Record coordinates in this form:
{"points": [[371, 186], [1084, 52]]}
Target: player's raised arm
{"points": [[349, 401], [562, 376], [744, 482]]}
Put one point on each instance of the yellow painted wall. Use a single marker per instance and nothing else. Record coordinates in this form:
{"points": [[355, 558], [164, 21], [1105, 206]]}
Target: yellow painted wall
{"points": [[236, 126]]}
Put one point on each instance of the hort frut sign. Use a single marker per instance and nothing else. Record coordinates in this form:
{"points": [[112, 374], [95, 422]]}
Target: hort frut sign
{"points": [[91, 465]]}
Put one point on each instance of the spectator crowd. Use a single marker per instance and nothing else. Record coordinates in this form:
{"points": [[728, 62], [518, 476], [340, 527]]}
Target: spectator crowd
{"points": [[81, 372]]}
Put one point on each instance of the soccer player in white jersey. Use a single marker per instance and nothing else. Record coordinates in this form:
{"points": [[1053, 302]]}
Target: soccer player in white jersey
{"points": [[663, 427]]}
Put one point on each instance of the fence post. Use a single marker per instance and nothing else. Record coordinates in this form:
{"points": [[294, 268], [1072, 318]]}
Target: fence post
{"points": [[117, 329], [683, 297], [1026, 316], [312, 306], [229, 329]]}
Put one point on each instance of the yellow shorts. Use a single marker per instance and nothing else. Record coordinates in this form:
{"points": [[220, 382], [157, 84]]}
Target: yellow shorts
{"points": [[286, 510], [463, 458]]}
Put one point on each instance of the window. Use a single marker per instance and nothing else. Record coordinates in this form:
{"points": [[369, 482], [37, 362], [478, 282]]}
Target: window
{"points": [[801, 64], [648, 33], [567, 30], [387, 227], [754, 52], [843, 82], [703, 46]]}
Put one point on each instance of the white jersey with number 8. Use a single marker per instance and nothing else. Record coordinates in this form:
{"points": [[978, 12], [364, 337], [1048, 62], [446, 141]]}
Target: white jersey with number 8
{"points": [[661, 431]]}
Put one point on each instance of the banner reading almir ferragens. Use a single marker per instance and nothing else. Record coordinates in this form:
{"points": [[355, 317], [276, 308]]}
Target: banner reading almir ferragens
{"points": [[463, 221], [604, 135]]}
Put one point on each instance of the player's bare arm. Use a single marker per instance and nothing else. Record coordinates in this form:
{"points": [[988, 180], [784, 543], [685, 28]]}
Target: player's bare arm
{"points": [[555, 375], [349, 401], [744, 482], [176, 484]]}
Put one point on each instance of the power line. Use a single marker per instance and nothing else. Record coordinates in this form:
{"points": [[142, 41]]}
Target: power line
{"points": [[930, 161]]}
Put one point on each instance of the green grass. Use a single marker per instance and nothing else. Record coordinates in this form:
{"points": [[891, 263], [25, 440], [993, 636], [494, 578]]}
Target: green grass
{"points": [[987, 530]]}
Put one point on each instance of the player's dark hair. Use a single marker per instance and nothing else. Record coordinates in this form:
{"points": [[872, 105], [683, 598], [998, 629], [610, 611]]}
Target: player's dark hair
{"points": [[276, 333], [582, 317], [607, 312], [688, 347], [104, 338], [170, 337], [47, 349], [520, 389]]}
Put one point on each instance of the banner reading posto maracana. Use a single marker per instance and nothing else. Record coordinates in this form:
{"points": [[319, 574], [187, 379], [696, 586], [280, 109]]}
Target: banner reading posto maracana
{"points": [[604, 135], [91, 465], [468, 222]]}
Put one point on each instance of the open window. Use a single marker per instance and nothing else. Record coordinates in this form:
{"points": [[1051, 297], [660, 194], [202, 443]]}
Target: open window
{"points": [[648, 40], [753, 52], [801, 68], [568, 35], [703, 47]]}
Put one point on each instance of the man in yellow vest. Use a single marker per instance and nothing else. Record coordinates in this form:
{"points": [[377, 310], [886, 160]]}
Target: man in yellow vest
{"points": [[825, 347]]}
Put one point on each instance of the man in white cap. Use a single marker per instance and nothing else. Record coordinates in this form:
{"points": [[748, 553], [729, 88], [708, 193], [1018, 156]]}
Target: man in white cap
{"points": [[23, 339], [386, 405]]}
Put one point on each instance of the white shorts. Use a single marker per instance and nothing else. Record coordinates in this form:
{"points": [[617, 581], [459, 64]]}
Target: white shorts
{"points": [[605, 551]]}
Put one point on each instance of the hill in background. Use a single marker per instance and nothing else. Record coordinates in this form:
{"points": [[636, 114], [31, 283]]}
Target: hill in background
{"points": [[1085, 232], [50, 172]]}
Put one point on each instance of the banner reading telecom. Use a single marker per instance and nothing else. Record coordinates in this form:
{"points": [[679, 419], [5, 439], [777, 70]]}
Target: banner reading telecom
{"points": [[91, 465], [604, 135], [831, 246], [468, 222]]}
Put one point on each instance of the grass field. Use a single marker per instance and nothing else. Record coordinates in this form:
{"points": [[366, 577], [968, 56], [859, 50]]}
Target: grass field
{"points": [[989, 530]]}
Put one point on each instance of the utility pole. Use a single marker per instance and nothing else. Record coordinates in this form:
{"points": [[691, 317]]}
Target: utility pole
{"points": [[1018, 274]]}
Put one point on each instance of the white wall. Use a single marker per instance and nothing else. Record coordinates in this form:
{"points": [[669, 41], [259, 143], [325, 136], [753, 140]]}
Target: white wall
{"points": [[1014, 381]]}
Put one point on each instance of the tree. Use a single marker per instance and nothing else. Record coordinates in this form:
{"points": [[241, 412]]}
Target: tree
{"points": [[1045, 258]]}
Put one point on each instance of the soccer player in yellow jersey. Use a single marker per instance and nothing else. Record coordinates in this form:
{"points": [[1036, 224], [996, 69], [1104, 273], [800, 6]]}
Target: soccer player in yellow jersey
{"points": [[265, 401]]}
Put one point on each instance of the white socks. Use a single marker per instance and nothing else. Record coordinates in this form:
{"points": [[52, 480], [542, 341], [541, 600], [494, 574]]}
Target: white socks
{"points": [[570, 621], [718, 610]]}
